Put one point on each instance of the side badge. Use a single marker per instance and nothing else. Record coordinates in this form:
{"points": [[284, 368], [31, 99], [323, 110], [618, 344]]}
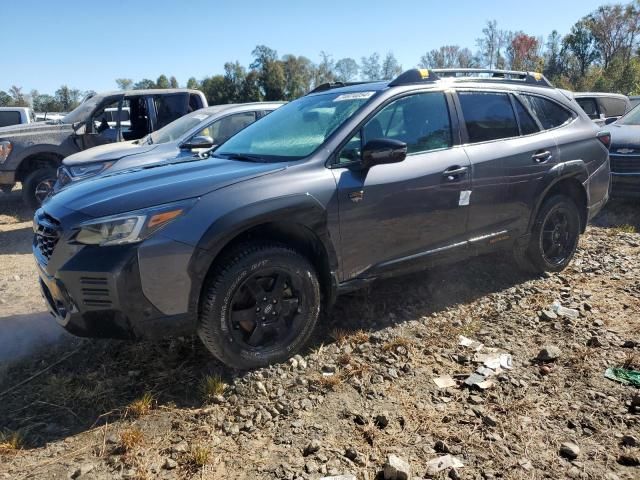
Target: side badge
{"points": [[356, 196]]}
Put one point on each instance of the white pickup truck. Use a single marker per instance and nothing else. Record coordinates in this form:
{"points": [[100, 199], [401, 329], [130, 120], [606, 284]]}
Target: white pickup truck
{"points": [[16, 116]]}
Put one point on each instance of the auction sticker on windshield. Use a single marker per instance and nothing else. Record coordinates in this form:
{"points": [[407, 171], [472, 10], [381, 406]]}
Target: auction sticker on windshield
{"points": [[353, 96]]}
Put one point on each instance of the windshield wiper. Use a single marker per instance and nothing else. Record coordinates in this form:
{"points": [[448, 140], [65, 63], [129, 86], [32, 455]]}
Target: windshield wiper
{"points": [[240, 156]]}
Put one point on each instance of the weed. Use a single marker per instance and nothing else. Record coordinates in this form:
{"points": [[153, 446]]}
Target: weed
{"points": [[199, 455], [11, 442], [130, 439], [141, 406], [211, 386]]}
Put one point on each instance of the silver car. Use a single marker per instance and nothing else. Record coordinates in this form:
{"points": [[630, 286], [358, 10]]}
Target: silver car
{"points": [[198, 131]]}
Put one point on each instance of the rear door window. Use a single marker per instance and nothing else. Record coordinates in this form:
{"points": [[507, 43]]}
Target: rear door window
{"points": [[225, 128], [549, 113], [169, 108], [9, 118], [488, 116]]}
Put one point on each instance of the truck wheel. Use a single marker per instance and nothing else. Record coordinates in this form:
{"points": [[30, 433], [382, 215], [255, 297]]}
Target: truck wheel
{"points": [[259, 306], [554, 237], [37, 186]]}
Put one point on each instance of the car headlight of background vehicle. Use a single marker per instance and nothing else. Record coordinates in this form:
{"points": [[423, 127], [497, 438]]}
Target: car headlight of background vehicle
{"points": [[130, 227], [5, 150], [88, 170]]}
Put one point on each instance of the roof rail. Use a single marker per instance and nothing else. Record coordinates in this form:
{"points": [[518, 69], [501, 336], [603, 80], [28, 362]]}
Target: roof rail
{"points": [[415, 75], [493, 75], [323, 87]]}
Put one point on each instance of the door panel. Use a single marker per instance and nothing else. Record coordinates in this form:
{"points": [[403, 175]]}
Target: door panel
{"points": [[397, 210]]}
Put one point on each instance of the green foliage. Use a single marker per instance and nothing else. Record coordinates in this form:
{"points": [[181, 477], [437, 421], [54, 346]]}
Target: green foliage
{"points": [[124, 83]]}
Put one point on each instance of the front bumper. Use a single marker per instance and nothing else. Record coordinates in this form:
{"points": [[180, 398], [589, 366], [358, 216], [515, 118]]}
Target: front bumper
{"points": [[98, 293]]}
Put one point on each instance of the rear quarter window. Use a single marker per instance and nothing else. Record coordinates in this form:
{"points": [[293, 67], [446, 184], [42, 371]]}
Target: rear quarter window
{"points": [[169, 108], [549, 113], [613, 107], [488, 116], [9, 118], [590, 107]]}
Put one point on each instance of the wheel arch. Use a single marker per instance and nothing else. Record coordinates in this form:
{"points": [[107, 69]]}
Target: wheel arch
{"points": [[299, 221], [568, 180], [36, 160]]}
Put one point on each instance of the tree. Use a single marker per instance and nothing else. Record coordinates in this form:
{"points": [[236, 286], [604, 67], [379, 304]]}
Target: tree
{"points": [[270, 72], [581, 44], [162, 82], [346, 69], [390, 67], [18, 98], [234, 75], [67, 98], [370, 67], [523, 52], [144, 84], [43, 102], [5, 99], [251, 88], [299, 73], [491, 43], [614, 29], [555, 62], [324, 71], [447, 56], [173, 82], [193, 83], [124, 83], [213, 89]]}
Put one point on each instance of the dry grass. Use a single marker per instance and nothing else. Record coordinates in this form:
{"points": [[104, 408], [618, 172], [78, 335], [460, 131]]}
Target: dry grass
{"points": [[345, 359], [212, 386], [623, 228], [631, 361], [398, 343], [359, 337], [199, 455], [342, 336], [11, 442], [328, 382], [131, 439], [579, 361], [141, 406]]}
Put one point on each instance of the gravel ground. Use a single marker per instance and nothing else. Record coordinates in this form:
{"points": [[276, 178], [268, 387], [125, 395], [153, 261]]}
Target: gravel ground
{"points": [[362, 398]]}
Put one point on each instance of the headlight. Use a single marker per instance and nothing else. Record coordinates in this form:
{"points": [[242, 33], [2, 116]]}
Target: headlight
{"points": [[5, 150], [130, 227], [88, 170]]}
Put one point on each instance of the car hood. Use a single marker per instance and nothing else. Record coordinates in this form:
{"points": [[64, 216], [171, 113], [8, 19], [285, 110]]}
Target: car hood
{"points": [[130, 190], [111, 151], [624, 135], [31, 129]]}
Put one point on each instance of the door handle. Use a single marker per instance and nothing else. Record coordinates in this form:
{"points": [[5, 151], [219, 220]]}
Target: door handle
{"points": [[541, 157], [452, 173]]}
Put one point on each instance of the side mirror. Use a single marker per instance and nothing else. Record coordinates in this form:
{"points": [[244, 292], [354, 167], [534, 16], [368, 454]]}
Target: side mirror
{"points": [[201, 141], [610, 120], [383, 150]]}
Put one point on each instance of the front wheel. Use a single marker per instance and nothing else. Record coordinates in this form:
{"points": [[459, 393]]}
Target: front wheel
{"points": [[554, 237], [37, 186], [259, 306]]}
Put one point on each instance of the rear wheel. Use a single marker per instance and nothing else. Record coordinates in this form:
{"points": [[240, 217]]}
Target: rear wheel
{"points": [[554, 237], [37, 186], [260, 306]]}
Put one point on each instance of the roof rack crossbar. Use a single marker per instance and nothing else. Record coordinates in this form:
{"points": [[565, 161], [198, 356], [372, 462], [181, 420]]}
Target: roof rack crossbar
{"points": [[489, 74]]}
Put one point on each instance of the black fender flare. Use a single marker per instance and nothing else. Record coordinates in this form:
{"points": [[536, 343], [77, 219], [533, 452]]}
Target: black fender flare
{"points": [[572, 169], [300, 210]]}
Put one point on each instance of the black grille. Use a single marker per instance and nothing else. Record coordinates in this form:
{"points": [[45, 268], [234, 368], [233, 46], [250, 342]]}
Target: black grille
{"points": [[95, 291], [47, 234], [625, 164]]}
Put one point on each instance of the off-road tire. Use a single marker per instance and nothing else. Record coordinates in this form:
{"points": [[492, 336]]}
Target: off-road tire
{"points": [[219, 290], [31, 182], [533, 259]]}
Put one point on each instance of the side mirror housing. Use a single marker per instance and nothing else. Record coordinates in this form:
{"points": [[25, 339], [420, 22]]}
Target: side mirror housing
{"points": [[79, 128], [383, 150], [201, 141]]}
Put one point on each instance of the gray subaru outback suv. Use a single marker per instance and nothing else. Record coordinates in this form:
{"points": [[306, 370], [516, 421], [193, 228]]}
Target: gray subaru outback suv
{"points": [[346, 185]]}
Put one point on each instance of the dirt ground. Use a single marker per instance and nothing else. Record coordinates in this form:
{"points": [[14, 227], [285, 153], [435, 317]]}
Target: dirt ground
{"points": [[365, 387]]}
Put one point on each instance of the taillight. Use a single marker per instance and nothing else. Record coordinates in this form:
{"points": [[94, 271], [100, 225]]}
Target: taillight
{"points": [[605, 138]]}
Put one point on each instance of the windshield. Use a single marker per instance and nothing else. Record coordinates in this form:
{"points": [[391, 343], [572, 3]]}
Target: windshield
{"points": [[295, 130], [631, 118], [83, 111], [179, 127]]}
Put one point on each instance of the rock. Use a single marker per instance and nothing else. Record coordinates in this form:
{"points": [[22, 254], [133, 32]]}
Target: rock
{"points": [[569, 450], [630, 441], [595, 342], [441, 447], [548, 315], [443, 463], [490, 421], [351, 453], [261, 388], [83, 470], [180, 447], [629, 344], [545, 370], [169, 464], [396, 468], [312, 447], [550, 353], [475, 400], [346, 476], [631, 459]]}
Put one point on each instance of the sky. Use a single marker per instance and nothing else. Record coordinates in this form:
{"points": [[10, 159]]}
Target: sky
{"points": [[88, 44]]}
